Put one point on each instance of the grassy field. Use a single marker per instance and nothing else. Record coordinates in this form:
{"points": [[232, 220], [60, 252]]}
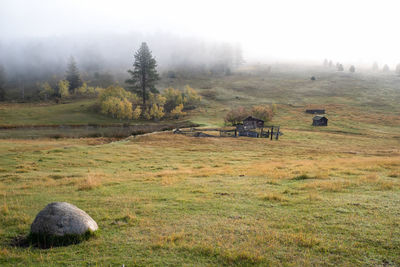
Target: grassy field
{"points": [[318, 196], [26, 114]]}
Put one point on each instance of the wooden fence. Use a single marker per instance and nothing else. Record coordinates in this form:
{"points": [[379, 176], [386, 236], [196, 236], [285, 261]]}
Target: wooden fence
{"points": [[270, 132]]}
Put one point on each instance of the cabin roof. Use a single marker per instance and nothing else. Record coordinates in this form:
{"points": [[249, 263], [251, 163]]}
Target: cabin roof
{"points": [[319, 117], [250, 118]]}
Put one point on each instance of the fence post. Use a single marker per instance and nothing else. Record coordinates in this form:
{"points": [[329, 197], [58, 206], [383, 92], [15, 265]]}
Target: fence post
{"points": [[277, 134], [272, 132]]}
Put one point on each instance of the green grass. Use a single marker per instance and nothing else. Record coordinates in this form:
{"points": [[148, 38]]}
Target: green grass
{"points": [[175, 200], [319, 196], [75, 113]]}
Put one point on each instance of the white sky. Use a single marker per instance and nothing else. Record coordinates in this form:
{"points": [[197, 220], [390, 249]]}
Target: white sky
{"points": [[342, 30]]}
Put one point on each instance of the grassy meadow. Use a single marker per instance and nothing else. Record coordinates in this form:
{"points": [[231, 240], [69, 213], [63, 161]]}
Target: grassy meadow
{"points": [[318, 196]]}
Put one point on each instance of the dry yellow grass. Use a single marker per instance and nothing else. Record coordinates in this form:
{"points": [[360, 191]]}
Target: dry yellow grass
{"points": [[93, 180], [221, 200], [273, 197]]}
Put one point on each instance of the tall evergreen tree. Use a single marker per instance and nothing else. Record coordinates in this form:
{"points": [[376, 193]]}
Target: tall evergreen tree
{"points": [[385, 68], [144, 74], [2, 84], [73, 76], [375, 66]]}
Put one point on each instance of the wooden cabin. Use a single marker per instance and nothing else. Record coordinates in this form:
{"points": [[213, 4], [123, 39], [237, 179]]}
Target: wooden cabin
{"points": [[315, 111], [252, 123], [320, 121]]}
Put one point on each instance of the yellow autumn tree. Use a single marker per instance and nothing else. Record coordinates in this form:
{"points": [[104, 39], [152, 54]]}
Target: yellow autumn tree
{"points": [[191, 98], [63, 88], [82, 90], [114, 101], [137, 112], [45, 90], [173, 99], [156, 112], [177, 112]]}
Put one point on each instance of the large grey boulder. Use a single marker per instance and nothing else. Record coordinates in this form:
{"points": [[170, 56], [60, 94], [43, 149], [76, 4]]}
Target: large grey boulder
{"points": [[61, 219]]}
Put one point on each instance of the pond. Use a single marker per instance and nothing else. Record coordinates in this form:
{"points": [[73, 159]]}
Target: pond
{"points": [[80, 131]]}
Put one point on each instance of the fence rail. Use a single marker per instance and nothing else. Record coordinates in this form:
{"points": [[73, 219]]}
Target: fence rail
{"points": [[261, 132]]}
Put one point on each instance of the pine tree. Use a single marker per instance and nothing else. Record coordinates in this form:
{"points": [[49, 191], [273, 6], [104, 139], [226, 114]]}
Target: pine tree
{"points": [[385, 68], [398, 69], [375, 66], [144, 75], [73, 76], [2, 84]]}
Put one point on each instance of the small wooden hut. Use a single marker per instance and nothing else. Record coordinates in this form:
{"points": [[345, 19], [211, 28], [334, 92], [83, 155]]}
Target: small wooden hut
{"points": [[252, 123], [315, 111], [320, 121]]}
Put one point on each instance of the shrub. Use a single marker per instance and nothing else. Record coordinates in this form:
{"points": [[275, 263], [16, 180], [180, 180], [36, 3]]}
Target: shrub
{"points": [[173, 98], [262, 112], [99, 90], [191, 98], [117, 108], [115, 102], [46, 90], [81, 90], [177, 112], [63, 88], [156, 112], [156, 99], [116, 91], [137, 112], [237, 115], [146, 114]]}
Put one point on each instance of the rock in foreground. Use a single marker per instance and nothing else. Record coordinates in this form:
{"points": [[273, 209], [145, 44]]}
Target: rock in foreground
{"points": [[61, 223]]}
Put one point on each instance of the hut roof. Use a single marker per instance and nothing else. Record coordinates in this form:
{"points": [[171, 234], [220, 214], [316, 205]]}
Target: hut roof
{"points": [[319, 117], [250, 118]]}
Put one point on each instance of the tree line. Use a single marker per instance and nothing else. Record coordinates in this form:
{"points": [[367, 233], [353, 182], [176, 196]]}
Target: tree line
{"points": [[143, 100], [352, 69]]}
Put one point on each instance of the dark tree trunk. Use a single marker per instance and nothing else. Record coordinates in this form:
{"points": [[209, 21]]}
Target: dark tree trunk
{"points": [[144, 89]]}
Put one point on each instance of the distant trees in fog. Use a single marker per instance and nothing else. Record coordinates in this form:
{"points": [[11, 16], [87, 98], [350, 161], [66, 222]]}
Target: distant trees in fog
{"points": [[352, 69], [385, 68], [375, 66], [339, 67], [73, 75], [398, 69], [2, 83], [327, 64]]}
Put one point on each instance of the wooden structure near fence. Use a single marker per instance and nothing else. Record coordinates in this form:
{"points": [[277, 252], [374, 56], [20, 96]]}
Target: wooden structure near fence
{"points": [[251, 127]]}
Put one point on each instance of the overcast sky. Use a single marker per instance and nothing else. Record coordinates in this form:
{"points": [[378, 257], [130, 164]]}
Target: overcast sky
{"points": [[342, 30]]}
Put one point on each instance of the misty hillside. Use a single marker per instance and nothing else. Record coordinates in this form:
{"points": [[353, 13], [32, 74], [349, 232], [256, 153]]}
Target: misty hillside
{"points": [[199, 133]]}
